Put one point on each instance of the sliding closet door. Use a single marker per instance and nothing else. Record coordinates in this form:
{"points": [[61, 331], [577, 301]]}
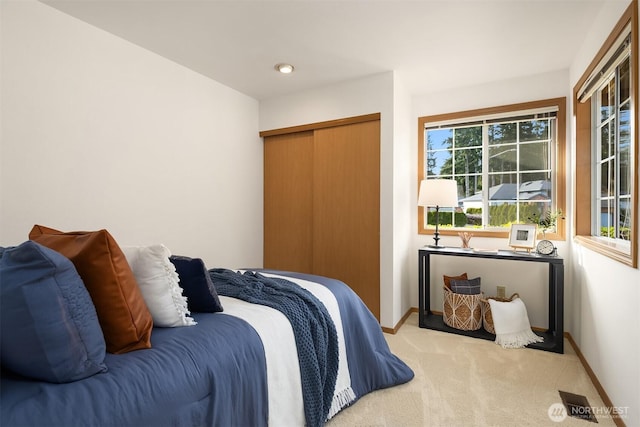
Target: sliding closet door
{"points": [[346, 207], [288, 189]]}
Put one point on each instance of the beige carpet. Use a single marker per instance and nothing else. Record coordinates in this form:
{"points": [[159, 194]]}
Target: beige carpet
{"points": [[462, 381]]}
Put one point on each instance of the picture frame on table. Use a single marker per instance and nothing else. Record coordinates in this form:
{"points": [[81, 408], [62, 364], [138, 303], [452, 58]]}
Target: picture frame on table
{"points": [[523, 236]]}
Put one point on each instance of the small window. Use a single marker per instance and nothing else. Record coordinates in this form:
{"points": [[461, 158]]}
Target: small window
{"points": [[507, 162], [607, 147]]}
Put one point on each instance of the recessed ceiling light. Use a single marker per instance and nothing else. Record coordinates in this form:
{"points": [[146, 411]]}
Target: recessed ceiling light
{"points": [[284, 68]]}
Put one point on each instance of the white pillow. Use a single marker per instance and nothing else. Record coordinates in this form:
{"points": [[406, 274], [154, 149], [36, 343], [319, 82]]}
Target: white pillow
{"points": [[158, 282], [511, 322]]}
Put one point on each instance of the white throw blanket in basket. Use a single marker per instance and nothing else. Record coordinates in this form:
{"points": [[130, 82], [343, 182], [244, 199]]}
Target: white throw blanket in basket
{"points": [[511, 323]]}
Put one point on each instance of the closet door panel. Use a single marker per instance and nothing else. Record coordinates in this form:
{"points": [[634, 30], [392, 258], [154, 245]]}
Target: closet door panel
{"points": [[346, 207], [288, 166]]}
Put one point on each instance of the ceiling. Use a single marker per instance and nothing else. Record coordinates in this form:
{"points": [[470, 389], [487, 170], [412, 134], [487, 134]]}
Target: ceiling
{"points": [[432, 45]]}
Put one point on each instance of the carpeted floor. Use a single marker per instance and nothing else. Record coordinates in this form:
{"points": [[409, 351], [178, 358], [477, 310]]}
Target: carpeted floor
{"points": [[463, 381]]}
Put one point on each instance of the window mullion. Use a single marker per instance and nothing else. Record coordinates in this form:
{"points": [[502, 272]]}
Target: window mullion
{"points": [[553, 153], [596, 180], [616, 135], [517, 171], [485, 176]]}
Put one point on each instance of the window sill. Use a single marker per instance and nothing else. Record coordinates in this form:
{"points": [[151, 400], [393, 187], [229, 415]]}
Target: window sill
{"points": [[613, 250]]}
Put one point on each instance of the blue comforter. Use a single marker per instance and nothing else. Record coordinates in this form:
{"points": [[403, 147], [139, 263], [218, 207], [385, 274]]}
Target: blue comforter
{"points": [[187, 378], [372, 366], [211, 374]]}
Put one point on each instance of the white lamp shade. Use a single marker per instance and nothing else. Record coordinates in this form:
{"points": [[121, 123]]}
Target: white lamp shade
{"points": [[438, 192]]}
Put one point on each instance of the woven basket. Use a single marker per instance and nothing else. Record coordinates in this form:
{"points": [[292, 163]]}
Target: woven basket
{"points": [[462, 311], [487, 319]]}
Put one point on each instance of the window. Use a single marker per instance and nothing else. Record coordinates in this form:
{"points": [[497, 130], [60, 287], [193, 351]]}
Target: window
{"points": [[612, 189], [508, 163], [607, 147]]}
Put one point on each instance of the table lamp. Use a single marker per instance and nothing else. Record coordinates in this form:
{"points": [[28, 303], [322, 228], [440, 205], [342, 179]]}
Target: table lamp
{"points": [[438, 193]]}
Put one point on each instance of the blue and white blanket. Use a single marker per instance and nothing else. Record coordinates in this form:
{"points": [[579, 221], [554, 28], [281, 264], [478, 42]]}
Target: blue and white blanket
{"points": [[315, 333]]}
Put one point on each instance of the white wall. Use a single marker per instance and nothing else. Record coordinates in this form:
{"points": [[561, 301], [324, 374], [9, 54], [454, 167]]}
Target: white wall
{"points": [[527, 279], [404, 202], [99, 133], [373, 94], [605, 304]]}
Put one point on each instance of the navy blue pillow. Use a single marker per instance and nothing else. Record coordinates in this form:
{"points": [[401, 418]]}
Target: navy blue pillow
{"points": [[49, 328], [466, 287], [197, 284]]}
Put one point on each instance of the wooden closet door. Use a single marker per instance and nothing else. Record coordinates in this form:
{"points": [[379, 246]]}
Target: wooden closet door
{"points": [[346, 207], [288, 187]]}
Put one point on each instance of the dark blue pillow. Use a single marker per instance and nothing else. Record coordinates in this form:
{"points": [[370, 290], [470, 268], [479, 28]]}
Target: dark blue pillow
{"points": [[466, 287], [49, 328], [197, 285]]}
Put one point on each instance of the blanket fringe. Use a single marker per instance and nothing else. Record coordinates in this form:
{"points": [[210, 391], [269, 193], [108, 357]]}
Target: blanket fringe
{"points": [[341, 400], [517, 339]]}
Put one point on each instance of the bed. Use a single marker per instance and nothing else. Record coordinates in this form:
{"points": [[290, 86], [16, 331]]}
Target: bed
{"points": [[242, 366]]}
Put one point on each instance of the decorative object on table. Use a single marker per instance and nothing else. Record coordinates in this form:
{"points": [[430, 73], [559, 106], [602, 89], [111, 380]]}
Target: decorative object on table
{"points": [[486, 250], [546, 247], [465, 236], [511, 324], [487, 318], [546, 222], [438, 193], [523, 236], [462, 311]]}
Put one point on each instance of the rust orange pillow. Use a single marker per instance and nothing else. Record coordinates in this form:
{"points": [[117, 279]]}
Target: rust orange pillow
{"points": [[123, 315], [448, 279]]}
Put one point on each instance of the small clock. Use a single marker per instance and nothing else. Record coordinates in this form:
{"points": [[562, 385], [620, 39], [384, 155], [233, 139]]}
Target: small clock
{"points": [[545, 247]]}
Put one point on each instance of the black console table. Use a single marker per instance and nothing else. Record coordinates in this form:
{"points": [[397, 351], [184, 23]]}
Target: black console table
{"points": [[553, 337]]}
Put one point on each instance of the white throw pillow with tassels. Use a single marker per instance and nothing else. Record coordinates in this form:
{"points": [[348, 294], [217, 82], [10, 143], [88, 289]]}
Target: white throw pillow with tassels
{"points": [[511, 323], [159, 284]]}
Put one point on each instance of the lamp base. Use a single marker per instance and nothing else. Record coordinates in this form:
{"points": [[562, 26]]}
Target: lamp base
{"points": [[436, 246], [436, 234]]}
